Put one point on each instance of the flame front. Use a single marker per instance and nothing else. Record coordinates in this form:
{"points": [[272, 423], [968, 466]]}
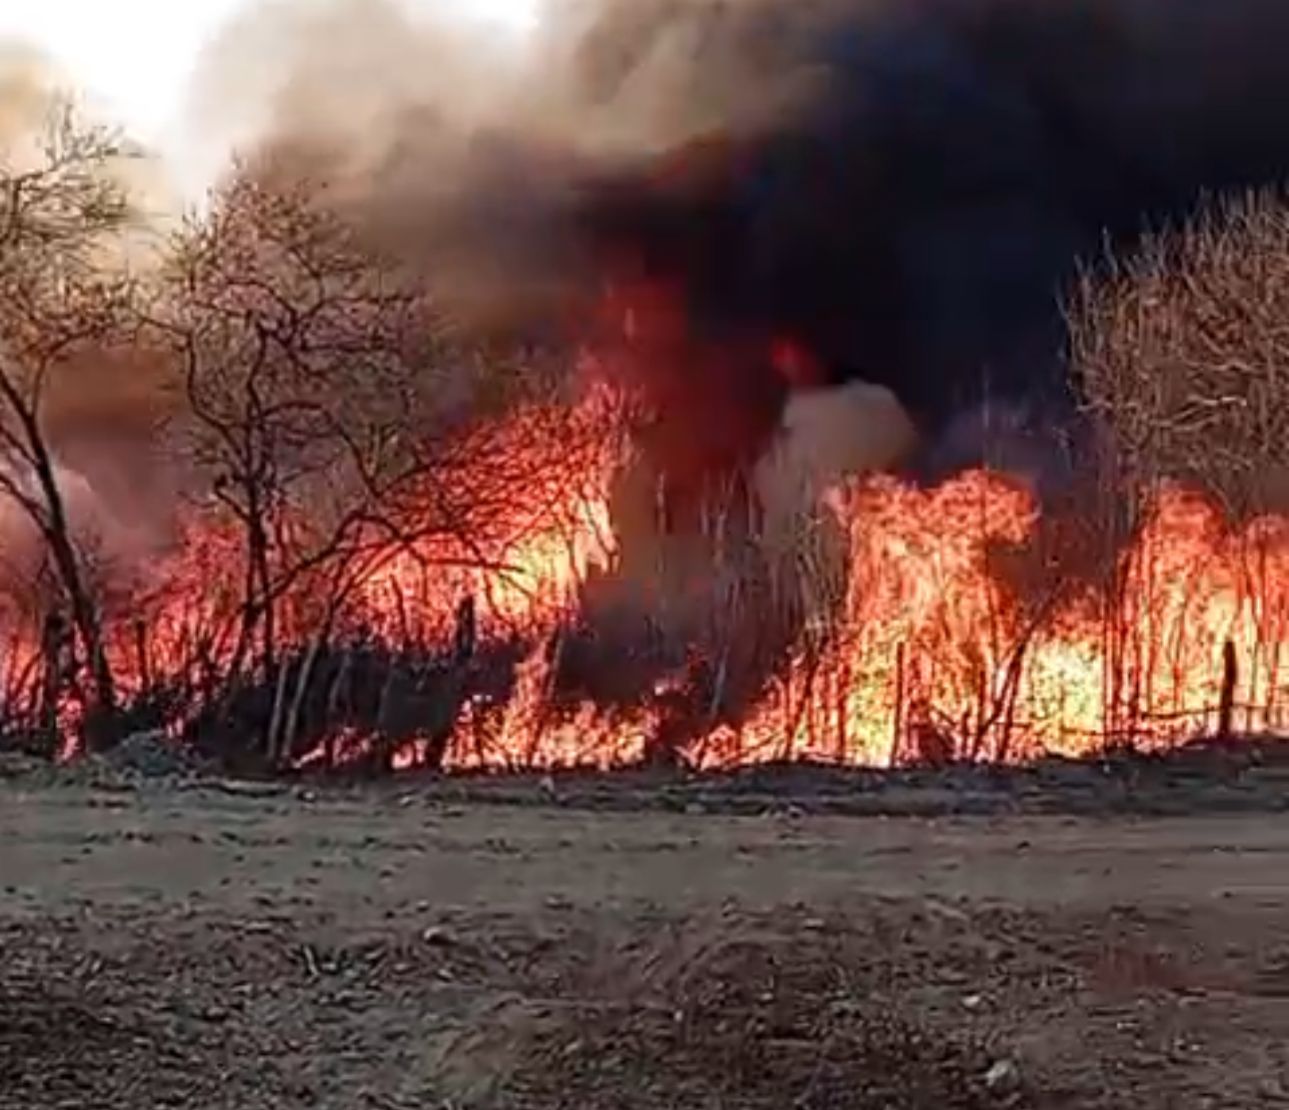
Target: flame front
{"points": [[935, 655], [958, 634], [939, 656]]}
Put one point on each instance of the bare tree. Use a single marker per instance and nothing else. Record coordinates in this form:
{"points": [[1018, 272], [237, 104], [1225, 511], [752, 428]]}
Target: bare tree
{"points": [[61, 210], [316, 382]]}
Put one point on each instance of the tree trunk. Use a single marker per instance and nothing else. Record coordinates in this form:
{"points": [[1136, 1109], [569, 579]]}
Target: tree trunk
{"points": [[102, 723], [50, 516]]}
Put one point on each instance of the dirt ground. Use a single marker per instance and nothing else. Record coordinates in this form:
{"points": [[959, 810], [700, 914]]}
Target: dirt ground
{"points": [[624, 943]]}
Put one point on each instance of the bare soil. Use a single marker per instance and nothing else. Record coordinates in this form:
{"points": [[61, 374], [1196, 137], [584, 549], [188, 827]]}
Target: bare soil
{"points": [[1113, 935]]}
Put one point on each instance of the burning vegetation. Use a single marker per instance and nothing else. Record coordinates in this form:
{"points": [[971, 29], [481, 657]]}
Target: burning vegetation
{"points": [[693, 524]]}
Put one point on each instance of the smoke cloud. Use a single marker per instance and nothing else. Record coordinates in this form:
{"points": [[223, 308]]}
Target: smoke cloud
{"points": [[735, 200], [902, 189]]}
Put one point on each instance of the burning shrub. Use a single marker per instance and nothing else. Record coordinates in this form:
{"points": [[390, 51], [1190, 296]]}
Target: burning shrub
{"points": [[304, 389], [335, 429]]}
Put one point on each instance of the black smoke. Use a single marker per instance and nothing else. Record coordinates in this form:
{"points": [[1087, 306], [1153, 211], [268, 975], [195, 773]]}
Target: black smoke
{"points": [[916, 220], [901, 189]]}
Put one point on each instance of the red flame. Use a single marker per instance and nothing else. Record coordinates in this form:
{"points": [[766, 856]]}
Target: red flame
{"points": [[938, 647], [935, 654]]}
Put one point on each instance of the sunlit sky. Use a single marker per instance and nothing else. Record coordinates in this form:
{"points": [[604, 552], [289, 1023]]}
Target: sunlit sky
{"points": [[135, 57]]}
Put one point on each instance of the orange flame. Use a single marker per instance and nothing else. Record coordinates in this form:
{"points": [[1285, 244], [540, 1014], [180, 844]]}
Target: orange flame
{"points": [[937, 656], [939, 649]]}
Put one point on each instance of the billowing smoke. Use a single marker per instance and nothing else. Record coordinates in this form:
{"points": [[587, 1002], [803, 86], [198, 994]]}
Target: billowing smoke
{"points": [[900, 189], [915, 222], [893, 192]]}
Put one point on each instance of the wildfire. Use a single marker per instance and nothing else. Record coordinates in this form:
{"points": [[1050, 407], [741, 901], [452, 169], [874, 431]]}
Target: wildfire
{"points": [[937, 655], [395, 548], [959, 634]]}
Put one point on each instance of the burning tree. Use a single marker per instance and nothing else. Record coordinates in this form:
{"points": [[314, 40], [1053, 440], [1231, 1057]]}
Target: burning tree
{"points": [[353, 456], [313, 379], [61, 214]]}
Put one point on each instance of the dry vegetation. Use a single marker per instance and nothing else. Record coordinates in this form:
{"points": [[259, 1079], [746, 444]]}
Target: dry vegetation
{"points": [[60, 212], [1181, 352]]}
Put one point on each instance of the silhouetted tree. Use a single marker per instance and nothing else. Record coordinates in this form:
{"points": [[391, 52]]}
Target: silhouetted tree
{"points": [[61, 213]]}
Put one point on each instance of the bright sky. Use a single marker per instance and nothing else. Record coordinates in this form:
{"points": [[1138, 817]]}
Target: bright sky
{"points": [[136, 56]]}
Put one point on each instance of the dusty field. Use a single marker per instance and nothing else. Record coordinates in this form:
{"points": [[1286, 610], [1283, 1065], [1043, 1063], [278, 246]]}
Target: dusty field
{"points": [[630, 944]]}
